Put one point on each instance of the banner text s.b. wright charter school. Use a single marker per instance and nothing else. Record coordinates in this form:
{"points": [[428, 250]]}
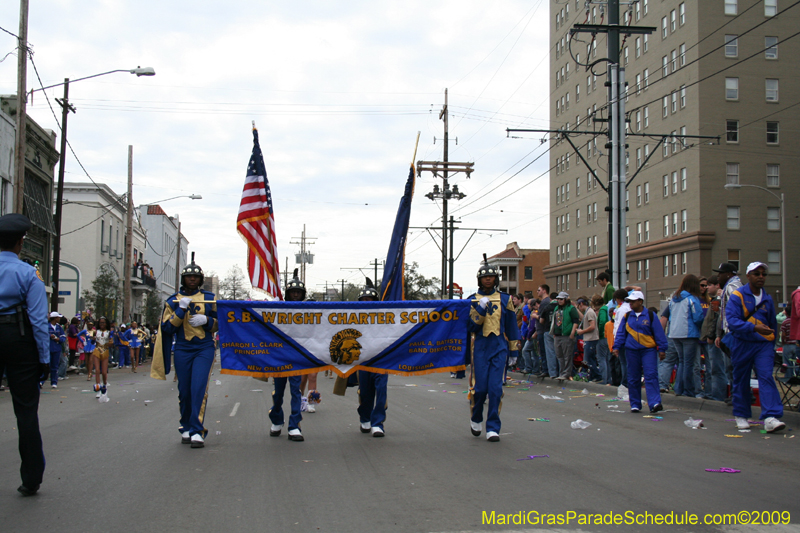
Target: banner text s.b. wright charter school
{"points": [[263, 339]]}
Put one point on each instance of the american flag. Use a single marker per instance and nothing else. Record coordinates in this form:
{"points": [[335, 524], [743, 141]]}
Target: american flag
{"points": [[256, 225]]}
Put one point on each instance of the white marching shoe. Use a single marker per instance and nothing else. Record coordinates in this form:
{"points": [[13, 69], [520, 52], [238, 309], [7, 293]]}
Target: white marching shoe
{"points": [[197, 441]]}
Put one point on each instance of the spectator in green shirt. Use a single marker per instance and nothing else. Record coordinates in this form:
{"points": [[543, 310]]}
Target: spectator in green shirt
{"points": [[608, 289]]}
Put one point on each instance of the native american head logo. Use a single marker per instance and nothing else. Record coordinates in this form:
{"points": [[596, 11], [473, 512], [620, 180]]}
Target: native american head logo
{"points": [[345, 349]]}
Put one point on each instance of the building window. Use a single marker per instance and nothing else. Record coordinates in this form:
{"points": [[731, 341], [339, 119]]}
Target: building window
{"points": [[577, 280], [567, 221], [683, 263], [733, 217], [772, 133], [666, 225], [774, 261], [577, 249], [672, 20], [770, 8], [638, 270], [733, 258], [666, 185], [647, 192], [773, 176], [683, 179], [674, 60], [567, 252], [731, 46], [646, 231], [577, 218], [664, 28], [772, 90], [567, 191], [588, 246], [645, 43], [731, 88], [558, 192], [674, 100], [666, 266], [627, 235], [684, 221], [665, 107], [771, 45], [683, 96], [103, 249], [774, 218], [594, 244], [594, 212], [646, 113], [732, 131], [646, 269], [732, 173], [638, 46], [528, 273], [638, 232], [638, 195], [664, 66], [675, 182], [674, 264], [682, 13], [731, 7], [674, 223]]}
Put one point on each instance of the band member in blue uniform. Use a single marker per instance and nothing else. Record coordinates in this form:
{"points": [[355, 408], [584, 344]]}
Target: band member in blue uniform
{"points": [[641, 334], [24, 345], [372, 402], [295, 292], [57, 336], [493, 324], [190, 315], [752, 326]]}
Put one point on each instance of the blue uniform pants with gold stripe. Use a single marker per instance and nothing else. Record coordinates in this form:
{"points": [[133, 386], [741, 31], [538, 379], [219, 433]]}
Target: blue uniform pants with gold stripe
{"points": [[488, 365], [276, 413], [746, 356], [640, 361], [372, 401], [193, 367]]}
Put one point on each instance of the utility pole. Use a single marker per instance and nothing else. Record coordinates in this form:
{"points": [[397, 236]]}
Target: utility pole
{"points": [[22, 95], [286, 273], [178, 258], [303, 257], [452, 259], [446, 193], [375, 263], [66, 107], [342, 280], [127, 266]]}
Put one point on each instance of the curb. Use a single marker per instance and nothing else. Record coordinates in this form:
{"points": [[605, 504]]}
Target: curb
{"points": [[671, 401]]}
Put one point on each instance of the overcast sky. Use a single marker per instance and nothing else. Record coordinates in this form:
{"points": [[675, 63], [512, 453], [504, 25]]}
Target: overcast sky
{"points": [[338, 91]]}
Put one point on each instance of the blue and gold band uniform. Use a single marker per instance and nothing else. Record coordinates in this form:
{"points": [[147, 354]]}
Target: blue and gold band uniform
{"points": [[194, 354], [751, 350], [641, 336], [24, 345], [372, 387], [495, 334]]}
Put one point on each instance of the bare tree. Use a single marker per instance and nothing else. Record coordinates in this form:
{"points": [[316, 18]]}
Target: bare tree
{"points": [[234, 285]]}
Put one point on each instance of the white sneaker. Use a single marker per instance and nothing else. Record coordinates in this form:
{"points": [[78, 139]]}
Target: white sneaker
{"points": [[475, 427], [197, 441], [295, 434], [303, 405], [275, 430], [98, 394], [311, 408], [772, 424], [365, 427], [377, 432], [53, 386], [186, 437], [492, 436], [742, 423]]}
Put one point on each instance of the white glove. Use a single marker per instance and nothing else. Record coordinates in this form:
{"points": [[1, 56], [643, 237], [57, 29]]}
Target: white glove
{"points": [[184, 303], [198, 320], [512, 361], [483, 302]]}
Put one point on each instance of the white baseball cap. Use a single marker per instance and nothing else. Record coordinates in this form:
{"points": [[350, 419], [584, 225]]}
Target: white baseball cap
{"points": [[755, 265], [634, 295], [55, 314]]}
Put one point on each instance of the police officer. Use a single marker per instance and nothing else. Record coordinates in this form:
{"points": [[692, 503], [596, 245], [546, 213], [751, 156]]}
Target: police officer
{"points": [[191, 316], [493, 323], [295, 292], [24, 344], [372, 402]]}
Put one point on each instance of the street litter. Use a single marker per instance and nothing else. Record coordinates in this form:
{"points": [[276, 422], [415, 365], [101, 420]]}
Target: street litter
{"points": [[532, 457], [585, 391], [734, 436], [256, 390], [148, 401], [580, 424], [724, 470], [218, 382], [539, 419], [613, 406], [694, 424]]}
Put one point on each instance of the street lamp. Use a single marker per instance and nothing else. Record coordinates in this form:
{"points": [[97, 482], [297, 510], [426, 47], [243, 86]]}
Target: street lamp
{"points": [[66, 108], [733, 186]]}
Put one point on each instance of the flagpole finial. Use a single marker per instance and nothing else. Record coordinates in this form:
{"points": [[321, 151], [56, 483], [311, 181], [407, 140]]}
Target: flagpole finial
{"points": [[254, 124]]}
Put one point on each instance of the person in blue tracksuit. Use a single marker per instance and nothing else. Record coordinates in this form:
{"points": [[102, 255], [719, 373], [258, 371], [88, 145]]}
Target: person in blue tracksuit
{"points": [[372, 396], [124, 346], [24, 344], [641, 334], [57, 336], [493, 325], [191, 317], [295, 292], [752, 326]]}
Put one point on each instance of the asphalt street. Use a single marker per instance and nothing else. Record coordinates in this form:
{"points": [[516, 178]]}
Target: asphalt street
{"points": [[120, 466]]}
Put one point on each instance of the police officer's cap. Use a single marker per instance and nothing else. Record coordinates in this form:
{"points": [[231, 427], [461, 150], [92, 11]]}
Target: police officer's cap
{"points": [[14, 224]]}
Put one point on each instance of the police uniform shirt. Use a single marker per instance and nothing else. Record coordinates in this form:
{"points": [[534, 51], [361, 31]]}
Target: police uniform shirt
{"points": [[20, 284]]}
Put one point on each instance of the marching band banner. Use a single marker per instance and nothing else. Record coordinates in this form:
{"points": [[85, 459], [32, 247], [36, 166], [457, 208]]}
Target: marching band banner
{"points": [[263, 339]]}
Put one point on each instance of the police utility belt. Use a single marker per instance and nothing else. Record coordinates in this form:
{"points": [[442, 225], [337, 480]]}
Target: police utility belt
{"points": [[19, 316]]}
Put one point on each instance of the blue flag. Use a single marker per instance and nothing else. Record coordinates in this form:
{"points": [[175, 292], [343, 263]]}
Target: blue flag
{"points": [[393, 283]]}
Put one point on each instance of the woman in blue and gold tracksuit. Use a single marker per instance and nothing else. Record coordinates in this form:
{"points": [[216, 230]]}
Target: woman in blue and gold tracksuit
{"points": [[641, 334], [192, 319], [750, 314]]}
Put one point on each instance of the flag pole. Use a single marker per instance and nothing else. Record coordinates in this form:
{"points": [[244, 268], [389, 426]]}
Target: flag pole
{"points": [[254, 125], [416, 144]]}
